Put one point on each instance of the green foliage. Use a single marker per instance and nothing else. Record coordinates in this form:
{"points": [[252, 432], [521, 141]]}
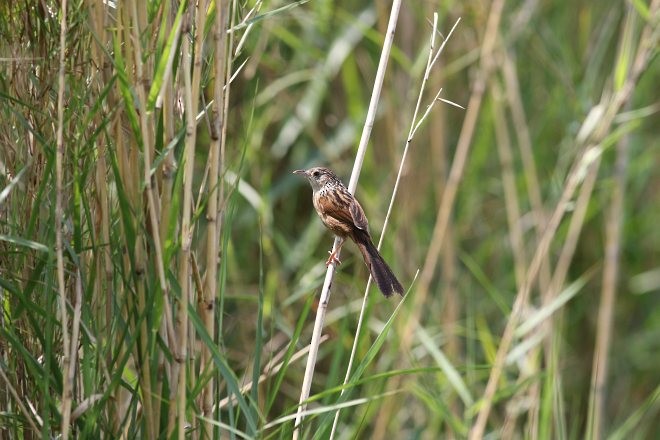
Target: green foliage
{"points": [[300, 77]]}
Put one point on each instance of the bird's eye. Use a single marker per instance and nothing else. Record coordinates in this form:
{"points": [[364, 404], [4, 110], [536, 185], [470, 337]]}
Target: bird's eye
{"points": [[316, 173]]}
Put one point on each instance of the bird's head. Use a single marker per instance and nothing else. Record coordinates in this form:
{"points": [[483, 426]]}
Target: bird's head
{"points": [[318, 177]]}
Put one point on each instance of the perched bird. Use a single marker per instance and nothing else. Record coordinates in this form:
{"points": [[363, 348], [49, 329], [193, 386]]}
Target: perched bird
{"points": [[343, 215]]}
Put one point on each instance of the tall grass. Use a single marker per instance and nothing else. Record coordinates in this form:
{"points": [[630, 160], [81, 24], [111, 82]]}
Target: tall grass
{"points": [[160, 267]]}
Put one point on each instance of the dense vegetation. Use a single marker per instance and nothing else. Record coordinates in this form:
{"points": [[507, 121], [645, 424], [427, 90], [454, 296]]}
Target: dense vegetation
{"points": [[158, 259]]}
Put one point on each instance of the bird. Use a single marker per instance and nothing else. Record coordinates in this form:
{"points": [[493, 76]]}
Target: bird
{"points": [[342, 214]]}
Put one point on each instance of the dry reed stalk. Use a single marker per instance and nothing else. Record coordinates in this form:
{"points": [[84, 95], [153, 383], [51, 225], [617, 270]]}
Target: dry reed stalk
{"points": [[503, 141], [511, 203], [210, 290], [167, 174], [182, 329], [521, 128], [67, 386], [104, 282]]}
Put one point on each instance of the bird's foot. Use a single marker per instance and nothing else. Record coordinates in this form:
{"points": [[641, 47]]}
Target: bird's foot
{"points": [[332, 259]]}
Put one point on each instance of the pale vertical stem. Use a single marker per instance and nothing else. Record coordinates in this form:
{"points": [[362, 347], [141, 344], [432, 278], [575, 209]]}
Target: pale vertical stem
{"points": [[135, 303], [150, 185], [200, 17], [186, 230], [198, 50], [148, 398], [103, 291], [559, 277], [613, 227], [209, 293], [168, 173], [103, 282], [121, 393], [167, 327], [503, 141], [511, 86], [362, 149], [67, 395]]}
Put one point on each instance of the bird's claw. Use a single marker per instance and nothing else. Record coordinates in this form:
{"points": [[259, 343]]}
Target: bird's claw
{"points": [[332, 259]]}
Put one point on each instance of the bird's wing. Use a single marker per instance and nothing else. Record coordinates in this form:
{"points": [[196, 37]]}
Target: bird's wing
{"points": [[357, 213]]}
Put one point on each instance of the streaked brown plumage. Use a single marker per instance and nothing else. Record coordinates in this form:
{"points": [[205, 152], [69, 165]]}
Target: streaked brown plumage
{"points": [[343, 215]]}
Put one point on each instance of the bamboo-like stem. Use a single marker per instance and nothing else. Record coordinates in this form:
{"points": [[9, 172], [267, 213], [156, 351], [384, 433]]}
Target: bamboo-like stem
{"points": [[103, 282], [135, 301], [209, 293], [168, 172], [186, 231], [67, 385], [120, 395], [357, 166], [150, 185], [149, 402], [222, 199]]}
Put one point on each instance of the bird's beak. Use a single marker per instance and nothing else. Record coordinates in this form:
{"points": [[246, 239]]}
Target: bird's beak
{"points": [[303, 172]]}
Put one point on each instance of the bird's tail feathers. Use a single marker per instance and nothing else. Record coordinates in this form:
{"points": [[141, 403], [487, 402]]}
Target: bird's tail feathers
{"points": [[380, 271]]}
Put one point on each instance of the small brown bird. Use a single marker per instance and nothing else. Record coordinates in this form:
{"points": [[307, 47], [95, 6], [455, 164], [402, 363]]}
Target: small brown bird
{"points": [[343, 215]]}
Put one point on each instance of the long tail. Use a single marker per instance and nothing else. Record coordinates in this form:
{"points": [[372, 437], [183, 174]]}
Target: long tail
{"points": [[380, 271]]}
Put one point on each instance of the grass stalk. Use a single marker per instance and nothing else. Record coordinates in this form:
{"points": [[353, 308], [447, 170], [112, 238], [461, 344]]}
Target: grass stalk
{"points": [[209, 295], [186, 229], [523, 137], [67, 366], [512, 205]]}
